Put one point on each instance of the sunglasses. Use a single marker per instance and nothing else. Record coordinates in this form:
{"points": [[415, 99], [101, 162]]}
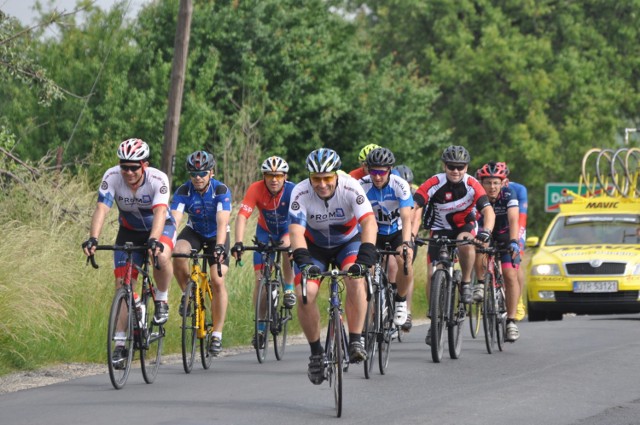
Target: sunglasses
{"points": [[452, 167], [323, 179], [132, 168], [201, 174], [274, 176], [378, 172]]}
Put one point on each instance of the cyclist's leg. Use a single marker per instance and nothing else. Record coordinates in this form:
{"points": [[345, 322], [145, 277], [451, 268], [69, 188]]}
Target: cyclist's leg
{"points": [[512, 294], [181, 265], [163, 275], [263, 237], [467, 257], [220, 299], [356, 300], [287, 275], [120, 266]]}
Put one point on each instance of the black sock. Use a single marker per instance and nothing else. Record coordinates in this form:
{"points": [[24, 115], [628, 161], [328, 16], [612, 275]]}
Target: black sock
{"points": [[354, 337], [399, 299], [316, 347], [511, 321]]}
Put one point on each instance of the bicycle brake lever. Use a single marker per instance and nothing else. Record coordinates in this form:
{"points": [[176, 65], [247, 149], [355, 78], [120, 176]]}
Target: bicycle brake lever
{"points": [[91, 259]]}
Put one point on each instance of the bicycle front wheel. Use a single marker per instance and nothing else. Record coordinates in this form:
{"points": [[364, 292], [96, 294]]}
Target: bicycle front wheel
{"points": [[280, 326], [501, 319], [262, 320], [439, 287], [489, 312], [152, 336], [120, 334], [454, 325], [370, 332], [338, 361], [388, 328], [189, 327], [206, 321]]}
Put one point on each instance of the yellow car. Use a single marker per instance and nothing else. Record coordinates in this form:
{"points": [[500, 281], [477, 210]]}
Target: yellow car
{"points": [[588, 261]]}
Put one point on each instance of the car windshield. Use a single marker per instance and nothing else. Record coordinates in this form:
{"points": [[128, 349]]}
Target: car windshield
{"points": [[596, 229]]}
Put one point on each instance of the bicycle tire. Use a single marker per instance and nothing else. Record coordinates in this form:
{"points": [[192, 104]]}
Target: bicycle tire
{"points": [[604, 172], [439, 287], [281, 323], [632, 170], [189, 327], [473, 311], [489, 313], [454, 323], [388, 327], [588, 170], [619, 172], [262, 319], [206, 312], [370, 328], [338, 363], [122, 302], [151, 352], [501, 317]]}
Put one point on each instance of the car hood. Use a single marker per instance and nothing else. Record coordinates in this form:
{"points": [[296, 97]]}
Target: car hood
{"points": [[572, 253]]}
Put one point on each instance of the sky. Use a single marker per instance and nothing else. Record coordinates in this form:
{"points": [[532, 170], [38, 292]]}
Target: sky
{"points": [[23, 9]]}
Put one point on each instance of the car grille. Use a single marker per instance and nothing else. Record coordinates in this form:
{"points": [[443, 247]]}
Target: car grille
{"points": [[588, 269], [620, 296]]}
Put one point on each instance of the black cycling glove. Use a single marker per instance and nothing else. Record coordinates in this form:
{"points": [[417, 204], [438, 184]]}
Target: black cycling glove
{"points": [[367, 254], [302, 257], [484, 236], [153, 243], [90, 243], [238, 247]]}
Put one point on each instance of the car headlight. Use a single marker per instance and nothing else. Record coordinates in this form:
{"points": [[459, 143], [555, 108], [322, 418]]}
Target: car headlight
{"points": [[545, 270]]}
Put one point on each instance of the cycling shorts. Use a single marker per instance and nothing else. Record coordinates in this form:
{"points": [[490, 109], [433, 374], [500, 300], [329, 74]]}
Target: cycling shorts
{"points": [[138, 238], [197, 241], [339, 256]]}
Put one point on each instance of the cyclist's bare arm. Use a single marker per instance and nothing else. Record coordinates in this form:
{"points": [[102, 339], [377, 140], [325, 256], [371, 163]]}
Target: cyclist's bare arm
{"points": [[489, 218], [369, 229], [241, 224], [177, 216], [407, 223], [97, 221], [296, 234], [416, 219], [222, 220], [513, 215], [159, 220]]}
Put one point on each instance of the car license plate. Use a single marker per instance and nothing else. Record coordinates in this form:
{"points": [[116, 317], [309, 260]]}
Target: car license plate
{"points": [[598, 286]]}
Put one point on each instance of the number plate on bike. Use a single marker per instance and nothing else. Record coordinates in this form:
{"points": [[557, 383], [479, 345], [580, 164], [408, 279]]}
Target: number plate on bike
{"points": [[598, 286]]}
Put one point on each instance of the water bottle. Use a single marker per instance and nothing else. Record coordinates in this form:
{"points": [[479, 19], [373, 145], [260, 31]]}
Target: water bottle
{"points": [[274, 296], [140, 310]]}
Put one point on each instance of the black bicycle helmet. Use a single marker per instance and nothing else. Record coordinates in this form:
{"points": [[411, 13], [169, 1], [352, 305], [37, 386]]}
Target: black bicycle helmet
{"points": [[456, 154], [380, 157], [405, 172], [200, 161]]}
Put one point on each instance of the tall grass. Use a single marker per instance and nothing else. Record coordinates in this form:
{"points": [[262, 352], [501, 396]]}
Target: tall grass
{"points": [[54, 308]]}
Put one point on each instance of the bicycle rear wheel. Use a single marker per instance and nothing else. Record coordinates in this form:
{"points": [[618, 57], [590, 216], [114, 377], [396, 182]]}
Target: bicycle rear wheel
{"points": [[388, 328], [121, 306], [152, 339], [207, 321], [370, 332], [501, 319], [489, 312], [439, 288], [189, 327], [262, 320], [454, 323], [280, 326]]}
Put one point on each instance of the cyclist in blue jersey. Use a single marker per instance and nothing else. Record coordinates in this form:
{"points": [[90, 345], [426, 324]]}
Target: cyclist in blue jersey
{"points": [[504, 202], [523, 204], [141, 194], [207, 201], [392, 202]]}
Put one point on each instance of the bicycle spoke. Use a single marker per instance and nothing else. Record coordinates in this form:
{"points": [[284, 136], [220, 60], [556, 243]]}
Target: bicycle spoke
{"points": [[120, 336]]}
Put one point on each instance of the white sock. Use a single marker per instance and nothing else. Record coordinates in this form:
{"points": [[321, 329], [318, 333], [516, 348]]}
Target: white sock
{"points": [[162, 295]]}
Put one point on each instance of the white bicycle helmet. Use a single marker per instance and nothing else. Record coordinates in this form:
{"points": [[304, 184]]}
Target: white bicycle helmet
{"points": [[274, 164], [323, 160], [133, 150]]}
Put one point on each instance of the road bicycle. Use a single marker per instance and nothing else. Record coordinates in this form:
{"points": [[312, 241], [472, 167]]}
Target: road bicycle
{"points": [[379, 328], [446, 306], [494, 306], [336, 342], [197, 315], [131, 322], [271, 315]]}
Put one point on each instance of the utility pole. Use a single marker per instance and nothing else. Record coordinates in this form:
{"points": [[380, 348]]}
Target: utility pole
{"points": [[178, 70]]}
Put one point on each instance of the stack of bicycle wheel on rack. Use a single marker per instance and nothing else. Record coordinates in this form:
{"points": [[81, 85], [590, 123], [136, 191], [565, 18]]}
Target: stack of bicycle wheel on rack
{"points": [[611, 172]]}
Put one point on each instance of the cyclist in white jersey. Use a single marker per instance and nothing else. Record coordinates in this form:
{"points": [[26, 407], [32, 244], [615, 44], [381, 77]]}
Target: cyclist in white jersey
{"points": [[392, 202], [141, 194], [331, 222]]}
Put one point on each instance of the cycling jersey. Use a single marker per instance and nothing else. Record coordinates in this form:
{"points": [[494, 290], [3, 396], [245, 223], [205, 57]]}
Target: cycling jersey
{"points": [[506, 199], [450, 205], [274, 209], [135, 207], [202, 208], [387, 201], [332, 222]]}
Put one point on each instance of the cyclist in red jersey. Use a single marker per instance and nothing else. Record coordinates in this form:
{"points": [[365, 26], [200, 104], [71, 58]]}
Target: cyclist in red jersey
{"points": [[271, 197], [362, 171], [451, 199]]}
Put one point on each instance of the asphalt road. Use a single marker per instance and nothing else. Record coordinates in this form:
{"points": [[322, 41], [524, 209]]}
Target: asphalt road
{"points": [[582, 370]]}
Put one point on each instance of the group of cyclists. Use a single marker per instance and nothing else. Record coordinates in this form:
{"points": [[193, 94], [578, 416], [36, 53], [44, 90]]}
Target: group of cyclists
{"points": [[329, 219]]}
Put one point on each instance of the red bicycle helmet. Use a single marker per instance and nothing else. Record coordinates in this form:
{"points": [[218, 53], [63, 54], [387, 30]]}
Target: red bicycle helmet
{"points": [[493, 169]]}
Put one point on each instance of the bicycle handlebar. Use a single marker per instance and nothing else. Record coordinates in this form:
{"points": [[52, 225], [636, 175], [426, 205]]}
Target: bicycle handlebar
{"points": [[126, 248], [195, 255], [333, 273]]}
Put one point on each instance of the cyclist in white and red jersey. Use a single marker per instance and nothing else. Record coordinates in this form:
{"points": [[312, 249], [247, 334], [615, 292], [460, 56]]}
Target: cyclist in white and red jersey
{"points": [[447, 203], [331, 222], [141, 194]]}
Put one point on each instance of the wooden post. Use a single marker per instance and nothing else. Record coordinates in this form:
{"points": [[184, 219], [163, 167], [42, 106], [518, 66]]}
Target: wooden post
{"points": [[178, 70]]}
